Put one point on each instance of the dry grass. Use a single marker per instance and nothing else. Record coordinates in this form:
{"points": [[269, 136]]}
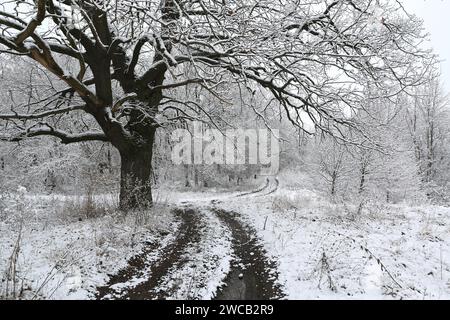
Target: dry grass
{"points": [[89, 229]]}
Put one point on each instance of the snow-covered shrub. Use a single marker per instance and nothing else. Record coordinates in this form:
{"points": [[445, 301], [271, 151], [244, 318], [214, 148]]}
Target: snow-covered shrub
{"points": [[87, 207], [296, 200], [11, 284], [438, 194], [158, 217], [14, 207], [295, 179], [324, 273]]}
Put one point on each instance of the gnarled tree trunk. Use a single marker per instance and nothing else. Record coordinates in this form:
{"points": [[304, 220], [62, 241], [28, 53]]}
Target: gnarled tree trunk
{"points": [[136, 176]]}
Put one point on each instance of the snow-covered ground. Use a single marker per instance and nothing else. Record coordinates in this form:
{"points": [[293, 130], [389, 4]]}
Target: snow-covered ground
{"points": [[389, 252], [323, 250], [207, 263], [63, 255]]}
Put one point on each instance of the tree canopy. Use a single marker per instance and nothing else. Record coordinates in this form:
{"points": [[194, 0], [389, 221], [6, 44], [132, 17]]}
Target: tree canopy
{"points": [[122, 62]]}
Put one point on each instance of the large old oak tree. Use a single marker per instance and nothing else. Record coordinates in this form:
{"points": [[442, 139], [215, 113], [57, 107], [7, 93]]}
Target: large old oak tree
{"points": [[314, 58]]}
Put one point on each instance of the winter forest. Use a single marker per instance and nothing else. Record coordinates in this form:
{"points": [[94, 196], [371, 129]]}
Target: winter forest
{"points": [[222, 149]]}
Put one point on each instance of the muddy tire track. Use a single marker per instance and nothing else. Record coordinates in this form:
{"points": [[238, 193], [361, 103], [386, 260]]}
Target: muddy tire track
{"points": [[188, 234], [260, 192], [276, 184], [261, 189], [252, 275]]}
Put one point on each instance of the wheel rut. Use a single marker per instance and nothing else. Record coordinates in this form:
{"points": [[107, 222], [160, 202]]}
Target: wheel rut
{"points": [[137, 266], [259, 190], [252, 275]]}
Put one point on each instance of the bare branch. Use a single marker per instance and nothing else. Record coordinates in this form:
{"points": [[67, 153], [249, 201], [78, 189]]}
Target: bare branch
{"points": [[34, 23], [65, 137], [40, 115]]}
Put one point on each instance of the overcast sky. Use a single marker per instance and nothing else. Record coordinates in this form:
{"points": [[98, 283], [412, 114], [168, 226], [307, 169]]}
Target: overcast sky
{"points": [[436, 16]]}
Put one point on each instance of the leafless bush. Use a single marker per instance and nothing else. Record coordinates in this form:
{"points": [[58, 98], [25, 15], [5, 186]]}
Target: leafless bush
{"points": [[324, 271], [13, 207], [88, 206], [13, 285], [287, 203], [152, 216], [371, 255]]}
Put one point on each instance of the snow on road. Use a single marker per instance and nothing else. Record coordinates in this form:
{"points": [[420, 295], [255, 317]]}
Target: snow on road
{"points": [[207, 262], [191, 266], [252, 276], [395, 252], [320, 250]]}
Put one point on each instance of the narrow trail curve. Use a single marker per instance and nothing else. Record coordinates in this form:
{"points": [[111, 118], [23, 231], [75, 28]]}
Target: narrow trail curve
{"points": [[252, 275], [270, 186], [137, 266], [261, 189], [275, 183]]}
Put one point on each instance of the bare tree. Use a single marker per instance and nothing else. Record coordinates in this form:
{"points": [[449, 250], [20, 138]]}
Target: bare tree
{"points": [[427, 119], [132, 56], [331, 160]]}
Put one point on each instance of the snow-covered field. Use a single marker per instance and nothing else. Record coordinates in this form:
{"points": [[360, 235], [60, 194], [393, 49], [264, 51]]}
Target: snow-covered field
{"points": [[389, 252], [63, 255], [322, 249]]}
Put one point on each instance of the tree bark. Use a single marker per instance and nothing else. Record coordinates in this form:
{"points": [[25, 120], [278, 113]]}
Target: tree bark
{"points": [[136, 177], [333, 183], [362, 179]]}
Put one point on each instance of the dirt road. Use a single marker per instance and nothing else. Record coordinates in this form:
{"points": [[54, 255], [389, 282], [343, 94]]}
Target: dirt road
{"points": [[252, 274]]}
